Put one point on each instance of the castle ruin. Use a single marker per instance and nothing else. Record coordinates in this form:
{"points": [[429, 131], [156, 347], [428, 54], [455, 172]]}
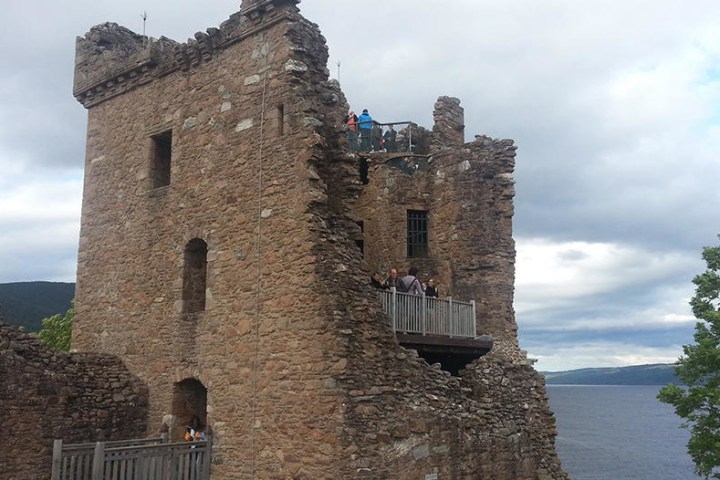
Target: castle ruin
{"points": [[226, 242]]}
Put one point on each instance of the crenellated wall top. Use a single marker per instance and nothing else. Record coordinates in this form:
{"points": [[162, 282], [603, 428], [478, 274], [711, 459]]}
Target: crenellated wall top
{"points": [[111, 59]]}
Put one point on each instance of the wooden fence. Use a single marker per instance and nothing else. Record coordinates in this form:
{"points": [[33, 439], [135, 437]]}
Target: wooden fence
{"points": [[410, 313], [140, 459]]}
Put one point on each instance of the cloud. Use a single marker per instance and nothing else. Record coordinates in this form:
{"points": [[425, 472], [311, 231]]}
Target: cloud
{"points": [[614, 108], [40, 230], [600, 354]]}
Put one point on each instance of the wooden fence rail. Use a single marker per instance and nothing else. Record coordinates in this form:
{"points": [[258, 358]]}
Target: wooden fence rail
{"points": [[141, 459]]}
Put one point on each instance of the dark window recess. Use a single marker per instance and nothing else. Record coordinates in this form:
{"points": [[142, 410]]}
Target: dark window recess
{"points": [[360, 242], [281, 120], [194, 276], [417, 233], [364, 170], [161, 153]]}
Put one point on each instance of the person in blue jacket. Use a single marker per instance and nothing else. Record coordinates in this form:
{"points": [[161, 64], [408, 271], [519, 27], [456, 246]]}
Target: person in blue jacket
{"points": [[366, 122]]}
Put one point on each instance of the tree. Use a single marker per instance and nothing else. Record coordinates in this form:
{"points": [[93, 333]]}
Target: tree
{"points": [[699, 370], [57, 330]]}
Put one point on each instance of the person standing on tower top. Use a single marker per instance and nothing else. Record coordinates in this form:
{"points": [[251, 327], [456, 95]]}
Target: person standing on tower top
{"points": [[350, 121], [366, 123]]}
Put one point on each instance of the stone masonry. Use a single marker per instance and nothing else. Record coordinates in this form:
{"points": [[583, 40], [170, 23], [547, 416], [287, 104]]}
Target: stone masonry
{"points": [[46, 395], [218, 260]]}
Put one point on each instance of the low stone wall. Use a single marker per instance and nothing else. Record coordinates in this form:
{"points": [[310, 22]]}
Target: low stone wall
{"points": [[44, 395]]}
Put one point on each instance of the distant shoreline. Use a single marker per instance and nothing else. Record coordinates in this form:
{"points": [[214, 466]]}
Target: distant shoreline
{"points": [[652, 374]]}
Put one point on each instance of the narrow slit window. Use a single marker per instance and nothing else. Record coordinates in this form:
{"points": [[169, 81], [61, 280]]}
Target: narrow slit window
{"points": [[417, 233], [360, 241], [281, 120], [195, 276], [160, 159]]}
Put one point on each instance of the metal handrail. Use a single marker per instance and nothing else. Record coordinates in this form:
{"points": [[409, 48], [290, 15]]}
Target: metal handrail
{"points": [[410, 313]]}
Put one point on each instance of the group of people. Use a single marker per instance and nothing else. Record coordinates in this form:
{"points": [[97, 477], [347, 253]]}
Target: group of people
{"points": [[408, 283], [195, 432], [366, 135]]}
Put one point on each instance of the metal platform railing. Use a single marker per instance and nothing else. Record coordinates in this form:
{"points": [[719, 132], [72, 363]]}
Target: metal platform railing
{"points": [[410, 313]]}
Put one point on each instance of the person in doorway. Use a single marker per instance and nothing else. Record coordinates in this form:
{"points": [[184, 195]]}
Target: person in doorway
{"points": [[194, 431], [365, 122]]}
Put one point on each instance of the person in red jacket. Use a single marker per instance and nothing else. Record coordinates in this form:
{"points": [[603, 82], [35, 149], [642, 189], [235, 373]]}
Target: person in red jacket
{"points": [[350, 121]]}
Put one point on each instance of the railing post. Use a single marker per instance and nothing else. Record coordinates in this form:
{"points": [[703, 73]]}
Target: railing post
{"points": [[410, 138], [394, 308], [205, 475], [56, 459], [474, 320], [423, 317], [450, 318], [98, 461]]}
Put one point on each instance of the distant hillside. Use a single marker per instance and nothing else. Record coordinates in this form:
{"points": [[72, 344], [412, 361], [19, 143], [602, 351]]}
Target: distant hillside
{"points": [[27, 303], [655, 374]]}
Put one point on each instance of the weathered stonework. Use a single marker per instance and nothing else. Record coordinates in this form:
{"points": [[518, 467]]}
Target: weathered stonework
{"points": [[218, 260], [46, 395]]}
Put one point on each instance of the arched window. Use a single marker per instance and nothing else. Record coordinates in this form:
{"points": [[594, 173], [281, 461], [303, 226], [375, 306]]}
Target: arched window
{"points": [[194, 276]]}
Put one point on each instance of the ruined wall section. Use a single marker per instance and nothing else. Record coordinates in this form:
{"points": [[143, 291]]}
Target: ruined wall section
{"points": [[404, 419], [474, 188], [45, 395]]}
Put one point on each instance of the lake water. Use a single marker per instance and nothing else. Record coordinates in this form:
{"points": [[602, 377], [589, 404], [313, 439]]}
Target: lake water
{"points": [[619, 433]]}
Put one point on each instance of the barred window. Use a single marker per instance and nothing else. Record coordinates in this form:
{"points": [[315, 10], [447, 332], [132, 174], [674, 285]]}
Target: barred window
{"points": [[417, 233]]}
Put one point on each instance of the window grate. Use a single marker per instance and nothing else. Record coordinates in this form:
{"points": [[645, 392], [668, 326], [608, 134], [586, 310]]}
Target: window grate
{"points": [[417, 233]]}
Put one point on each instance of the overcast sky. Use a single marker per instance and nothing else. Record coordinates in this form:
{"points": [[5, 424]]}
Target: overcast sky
{"points": [[614, 106]]}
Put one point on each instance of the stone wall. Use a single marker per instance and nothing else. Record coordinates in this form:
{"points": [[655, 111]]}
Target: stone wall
{"points": [[44, 395], [303, 375]]}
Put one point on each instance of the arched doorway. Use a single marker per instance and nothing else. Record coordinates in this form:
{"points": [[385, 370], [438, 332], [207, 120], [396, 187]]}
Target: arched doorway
{"points": [[189, 405]]}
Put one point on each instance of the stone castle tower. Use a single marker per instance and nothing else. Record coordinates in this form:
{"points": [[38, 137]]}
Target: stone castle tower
{"points": [[226, 243]]}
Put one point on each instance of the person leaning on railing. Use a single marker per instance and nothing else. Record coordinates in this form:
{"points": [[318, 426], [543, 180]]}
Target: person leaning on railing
{"points": [[392, 279], [365, 122], [350, 121], [410, 283], [430, 289]]}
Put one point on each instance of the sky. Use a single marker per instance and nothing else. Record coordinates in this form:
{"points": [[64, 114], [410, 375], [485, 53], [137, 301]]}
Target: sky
{"points": [[614, 106]]}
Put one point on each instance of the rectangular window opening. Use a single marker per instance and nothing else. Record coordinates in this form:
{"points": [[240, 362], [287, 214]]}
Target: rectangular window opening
{"points": [[281, 120], [160, 158], [360, 242], [417, 233]]}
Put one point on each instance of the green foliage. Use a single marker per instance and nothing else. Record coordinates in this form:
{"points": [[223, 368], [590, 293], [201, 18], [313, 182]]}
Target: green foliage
{"points": [[57, 331], [699, 369]]}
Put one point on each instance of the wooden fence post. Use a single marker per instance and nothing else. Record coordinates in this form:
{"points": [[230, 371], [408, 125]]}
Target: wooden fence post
{"points": [[57, 459], [98, 461], [208, 459]]}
